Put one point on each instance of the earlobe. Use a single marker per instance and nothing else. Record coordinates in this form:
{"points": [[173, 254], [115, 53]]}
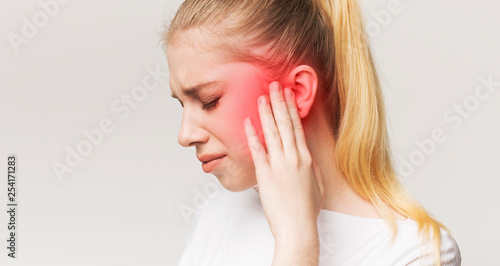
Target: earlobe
{"points": [[304, 81]]}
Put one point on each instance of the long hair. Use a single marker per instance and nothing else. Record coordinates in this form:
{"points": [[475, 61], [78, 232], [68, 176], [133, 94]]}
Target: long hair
{"points": [[330, 36]]}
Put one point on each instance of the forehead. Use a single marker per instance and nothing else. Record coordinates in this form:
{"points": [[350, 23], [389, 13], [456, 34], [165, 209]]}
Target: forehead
{"points": [[194, 64], [193, 58]]}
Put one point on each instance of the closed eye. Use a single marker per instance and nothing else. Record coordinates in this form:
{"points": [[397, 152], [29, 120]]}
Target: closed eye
{"points": [[211, 105]]}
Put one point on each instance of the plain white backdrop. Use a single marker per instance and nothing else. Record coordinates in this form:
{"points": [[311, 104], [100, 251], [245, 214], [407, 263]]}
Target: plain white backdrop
{"points": [[78, 66]]}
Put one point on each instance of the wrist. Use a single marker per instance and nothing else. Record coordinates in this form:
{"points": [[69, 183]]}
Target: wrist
{"points": [[297, 241], [297, 232], [305, 238], [297, 249]]}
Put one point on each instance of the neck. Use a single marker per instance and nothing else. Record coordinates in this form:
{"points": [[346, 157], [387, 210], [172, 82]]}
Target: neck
{"points": [[339, 195]]}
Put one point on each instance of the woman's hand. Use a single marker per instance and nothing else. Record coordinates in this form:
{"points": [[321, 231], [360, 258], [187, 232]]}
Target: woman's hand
{"points": [[290, 183]]}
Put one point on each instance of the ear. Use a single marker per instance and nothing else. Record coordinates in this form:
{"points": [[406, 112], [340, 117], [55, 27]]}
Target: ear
{"points": [[303, 80]]}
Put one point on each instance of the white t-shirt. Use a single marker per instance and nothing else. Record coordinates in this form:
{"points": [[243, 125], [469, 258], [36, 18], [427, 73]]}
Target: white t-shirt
{"points": [[232, 230]]}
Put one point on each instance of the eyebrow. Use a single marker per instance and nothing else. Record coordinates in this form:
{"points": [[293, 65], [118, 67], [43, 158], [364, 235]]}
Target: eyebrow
{"points": [[195, 89]]}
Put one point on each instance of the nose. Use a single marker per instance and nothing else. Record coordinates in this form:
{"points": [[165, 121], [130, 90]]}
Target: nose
{"points": [[191, 133]]}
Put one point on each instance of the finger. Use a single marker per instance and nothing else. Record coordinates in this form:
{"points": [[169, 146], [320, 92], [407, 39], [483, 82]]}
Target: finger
{"points": [[271, 134], [258, 152], [282, 119], [300, 138]]}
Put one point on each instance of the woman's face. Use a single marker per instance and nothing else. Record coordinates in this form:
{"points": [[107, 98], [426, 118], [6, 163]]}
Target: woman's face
{"points": [[213, 114]]}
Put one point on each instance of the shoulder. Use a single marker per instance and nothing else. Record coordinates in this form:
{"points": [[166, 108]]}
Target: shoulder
{"points": [[227, 222], [196, 217], [449, 252]]}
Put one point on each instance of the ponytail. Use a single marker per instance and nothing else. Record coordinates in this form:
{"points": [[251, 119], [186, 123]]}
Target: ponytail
{"points": [[363, 149]]}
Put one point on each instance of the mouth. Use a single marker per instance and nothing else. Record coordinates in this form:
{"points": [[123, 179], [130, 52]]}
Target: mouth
{"points": [[211, 165], [205, 158], [213, 159]]}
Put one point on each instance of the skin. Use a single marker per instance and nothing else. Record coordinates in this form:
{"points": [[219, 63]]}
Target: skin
{"points": [[219, 130], [254, 157], [291, 186]]}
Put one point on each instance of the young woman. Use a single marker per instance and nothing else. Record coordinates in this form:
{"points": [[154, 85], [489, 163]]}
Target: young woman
{"points": [[284, 94]]}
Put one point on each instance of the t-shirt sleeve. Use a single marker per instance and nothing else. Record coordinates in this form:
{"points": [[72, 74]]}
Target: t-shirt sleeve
{"points": [[450, 253]]}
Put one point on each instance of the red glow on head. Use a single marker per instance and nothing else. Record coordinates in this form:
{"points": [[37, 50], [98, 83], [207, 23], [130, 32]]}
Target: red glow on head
{"points": [[221, 129]]}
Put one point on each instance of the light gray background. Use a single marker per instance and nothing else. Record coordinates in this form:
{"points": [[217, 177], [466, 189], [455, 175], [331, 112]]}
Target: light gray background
{"points": [[120, 206]]}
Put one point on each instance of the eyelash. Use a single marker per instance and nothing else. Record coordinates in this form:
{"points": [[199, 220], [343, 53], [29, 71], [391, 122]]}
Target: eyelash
{"points": [[211, 105]]}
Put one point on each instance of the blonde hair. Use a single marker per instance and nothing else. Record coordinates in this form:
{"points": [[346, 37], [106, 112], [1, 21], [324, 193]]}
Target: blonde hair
{"points": [[330, 36]]}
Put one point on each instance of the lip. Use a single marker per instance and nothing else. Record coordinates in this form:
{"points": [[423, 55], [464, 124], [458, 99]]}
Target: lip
{"points": [[205, 158], [212, 164]]}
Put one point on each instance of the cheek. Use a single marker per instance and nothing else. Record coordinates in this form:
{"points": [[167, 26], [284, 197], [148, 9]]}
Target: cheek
{"points": [[241, 107]]}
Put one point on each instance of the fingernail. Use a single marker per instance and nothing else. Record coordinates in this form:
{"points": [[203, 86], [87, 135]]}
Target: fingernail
{"points": [[263, 100], [288, 92], [276, 87]]}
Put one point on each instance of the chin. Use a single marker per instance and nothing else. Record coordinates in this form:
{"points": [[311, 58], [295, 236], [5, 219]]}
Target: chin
{"points": [[236, 184]]}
